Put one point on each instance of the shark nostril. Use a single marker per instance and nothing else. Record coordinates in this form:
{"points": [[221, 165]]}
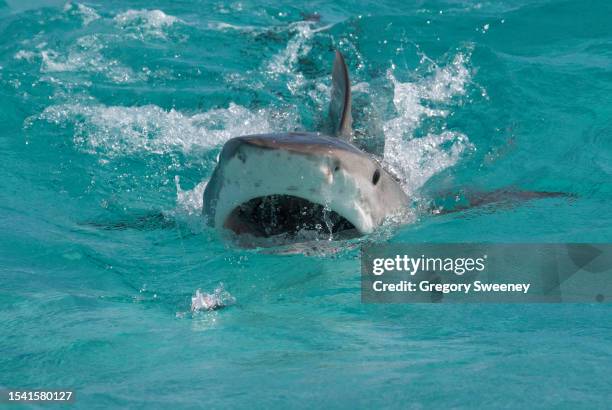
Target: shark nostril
{"points": [[336, 165], [375, 177]]}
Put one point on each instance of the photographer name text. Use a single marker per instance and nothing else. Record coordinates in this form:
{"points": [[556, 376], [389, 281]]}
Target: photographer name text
{"points": [[422, 264]]}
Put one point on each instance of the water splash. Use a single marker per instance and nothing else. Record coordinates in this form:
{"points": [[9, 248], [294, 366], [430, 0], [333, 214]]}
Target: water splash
{"points": [[220, 298], [285, 62], [415, 160], [223, 26], [189, 201], [26, 55], [86, 55], [85, 13], [118, 131], [146, 23]]}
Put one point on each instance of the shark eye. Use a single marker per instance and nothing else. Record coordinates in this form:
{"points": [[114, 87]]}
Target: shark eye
{"points": [[375, 177]]}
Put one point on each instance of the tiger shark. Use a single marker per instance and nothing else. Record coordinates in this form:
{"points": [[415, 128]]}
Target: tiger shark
{"points": [[295, 184], [283, 183]]}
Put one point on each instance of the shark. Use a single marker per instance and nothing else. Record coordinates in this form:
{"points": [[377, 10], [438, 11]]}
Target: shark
{"points": [[266, 185]]}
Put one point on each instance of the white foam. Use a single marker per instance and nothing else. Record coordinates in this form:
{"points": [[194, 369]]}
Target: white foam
{"points": [[415, 160], [448, 81], [146, 23], [418, 159], [87, 14], [25, 55], [190, 201], [86, 56], [211, 301], [117, 130], [284, 63], [223, 26]]}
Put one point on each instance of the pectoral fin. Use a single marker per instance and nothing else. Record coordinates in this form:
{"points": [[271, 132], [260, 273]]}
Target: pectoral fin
{"points": [[501, 198]]}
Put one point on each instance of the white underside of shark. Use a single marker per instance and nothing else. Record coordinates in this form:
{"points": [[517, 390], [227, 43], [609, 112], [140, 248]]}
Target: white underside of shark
{"points": [[340, 179]]}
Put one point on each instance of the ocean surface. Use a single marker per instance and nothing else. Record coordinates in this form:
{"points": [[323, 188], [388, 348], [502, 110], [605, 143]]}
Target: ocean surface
{"points": [[112, 114]]}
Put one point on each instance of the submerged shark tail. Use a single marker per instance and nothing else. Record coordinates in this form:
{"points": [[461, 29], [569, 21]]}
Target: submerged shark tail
{"points": [[340, 105]]}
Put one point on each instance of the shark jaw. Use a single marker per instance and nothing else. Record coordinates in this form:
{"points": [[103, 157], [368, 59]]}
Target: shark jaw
{"points": [[275, 215], [266, 185]]}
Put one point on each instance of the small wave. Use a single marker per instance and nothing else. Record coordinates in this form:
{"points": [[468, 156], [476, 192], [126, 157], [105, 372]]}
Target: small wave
{"points": [[118, 130], [86, 56], [146, 23], [87, 14], [26, 55], [211, 301], [284, 63], [223, 26]]}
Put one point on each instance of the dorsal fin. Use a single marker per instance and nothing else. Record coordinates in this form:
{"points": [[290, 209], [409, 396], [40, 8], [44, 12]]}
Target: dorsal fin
{"points": [[340, 105]]}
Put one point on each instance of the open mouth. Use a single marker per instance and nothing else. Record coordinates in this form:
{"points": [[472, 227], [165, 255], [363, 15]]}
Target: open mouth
{"points": [[273, 215]]}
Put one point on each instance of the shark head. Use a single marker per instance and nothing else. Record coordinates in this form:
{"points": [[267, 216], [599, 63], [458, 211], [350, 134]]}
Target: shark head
{"points": [[271, 184]]}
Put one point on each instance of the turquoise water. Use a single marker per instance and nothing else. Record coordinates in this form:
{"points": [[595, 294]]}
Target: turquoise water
{"points": [[112, 112]]}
